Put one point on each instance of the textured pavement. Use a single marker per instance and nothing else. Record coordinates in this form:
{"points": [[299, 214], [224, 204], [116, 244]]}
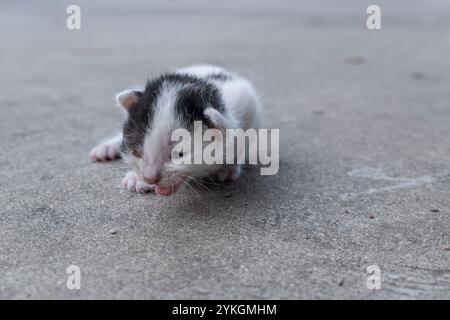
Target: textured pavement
{"points": [[364, 119]]}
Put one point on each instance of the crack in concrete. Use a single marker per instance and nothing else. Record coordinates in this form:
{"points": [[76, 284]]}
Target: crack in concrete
{"points": [[377, 174]]}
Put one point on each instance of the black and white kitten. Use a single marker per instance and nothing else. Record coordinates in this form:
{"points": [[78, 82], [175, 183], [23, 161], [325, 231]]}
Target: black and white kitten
{"points": [[210, 94]]}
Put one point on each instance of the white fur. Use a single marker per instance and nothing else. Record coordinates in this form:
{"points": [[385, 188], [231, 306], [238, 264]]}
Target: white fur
{"points": [[201, 70], [242, 102]]}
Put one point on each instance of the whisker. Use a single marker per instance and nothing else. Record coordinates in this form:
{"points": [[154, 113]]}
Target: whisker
{"points": [[200, 183], [187, 184]]}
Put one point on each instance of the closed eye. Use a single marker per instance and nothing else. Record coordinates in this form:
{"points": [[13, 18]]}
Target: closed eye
{"points": [[176, 155]]}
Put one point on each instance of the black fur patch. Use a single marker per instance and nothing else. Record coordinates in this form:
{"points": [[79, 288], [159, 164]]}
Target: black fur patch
{"points": [[139, 116], [196, 94]]}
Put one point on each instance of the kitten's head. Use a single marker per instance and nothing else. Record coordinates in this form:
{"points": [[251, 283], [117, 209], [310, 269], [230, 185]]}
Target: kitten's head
{"points": [[168, 103]]}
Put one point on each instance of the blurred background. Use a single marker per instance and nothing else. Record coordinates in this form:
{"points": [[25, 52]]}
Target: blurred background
{"points": [[364, 166]]}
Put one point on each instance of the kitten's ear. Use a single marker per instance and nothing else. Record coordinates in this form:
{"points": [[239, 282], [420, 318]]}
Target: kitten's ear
{"points": [[216, 120], [128, 99]]}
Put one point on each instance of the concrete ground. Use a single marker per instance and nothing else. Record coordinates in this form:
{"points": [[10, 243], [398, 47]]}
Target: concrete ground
{"points": [[364, 119]]}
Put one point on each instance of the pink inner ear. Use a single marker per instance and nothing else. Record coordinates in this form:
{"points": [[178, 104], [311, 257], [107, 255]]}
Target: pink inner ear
{"points": [[129, 101]]}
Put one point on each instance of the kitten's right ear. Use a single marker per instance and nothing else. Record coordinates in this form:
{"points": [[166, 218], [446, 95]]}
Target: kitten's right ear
{"points": [[216, 120], [128, 99]]}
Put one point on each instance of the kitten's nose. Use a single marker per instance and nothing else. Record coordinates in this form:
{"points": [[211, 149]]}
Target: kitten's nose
{"points": [[152, 179]]}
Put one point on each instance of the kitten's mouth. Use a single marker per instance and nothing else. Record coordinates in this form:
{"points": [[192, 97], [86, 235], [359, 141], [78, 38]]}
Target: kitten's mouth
{"points": [[168, 190]]}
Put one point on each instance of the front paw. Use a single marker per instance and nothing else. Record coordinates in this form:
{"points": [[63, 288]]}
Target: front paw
{"points": [[105, 152], [134, 184]]}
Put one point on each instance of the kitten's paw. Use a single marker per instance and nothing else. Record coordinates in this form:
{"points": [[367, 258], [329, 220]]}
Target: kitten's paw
{"points": [[229, 174], [105, 152], [134, 184]]}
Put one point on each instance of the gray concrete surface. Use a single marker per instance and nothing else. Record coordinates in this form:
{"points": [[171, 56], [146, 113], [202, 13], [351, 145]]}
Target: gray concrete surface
{"points": [[365, 152]]}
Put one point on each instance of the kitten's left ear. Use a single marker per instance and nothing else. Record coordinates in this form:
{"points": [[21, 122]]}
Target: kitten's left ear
{"points": [[128, 99], [216, 119]]}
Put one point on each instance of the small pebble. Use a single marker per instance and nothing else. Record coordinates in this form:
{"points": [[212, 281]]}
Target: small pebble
{"points": [[354, 60], [435, 210], [319, 112], [112, 231], [418, 75], [371, 216], [341, 282]]}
